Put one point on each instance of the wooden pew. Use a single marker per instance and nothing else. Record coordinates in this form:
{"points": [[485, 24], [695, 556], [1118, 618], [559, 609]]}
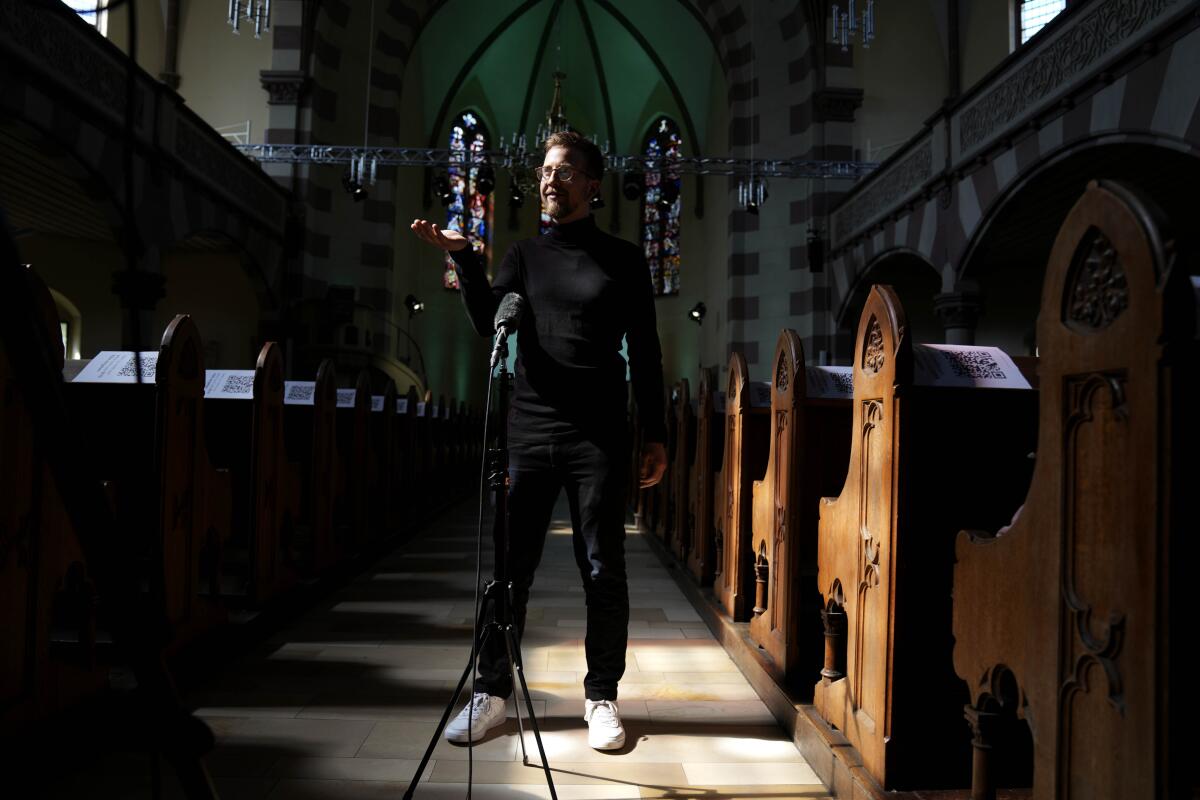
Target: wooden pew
{"points": [[662, 501], [406, 457], [244, 434], [353, 435], [147, 442], [47, 602], [310, 419], [1084, 604], [384, 479], [746, 435], [809, 450], [710, 414], [680, 532], [924, 458]]}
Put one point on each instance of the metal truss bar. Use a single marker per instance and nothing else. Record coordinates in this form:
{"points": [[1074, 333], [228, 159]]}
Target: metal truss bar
{"points": [[520, 159]]}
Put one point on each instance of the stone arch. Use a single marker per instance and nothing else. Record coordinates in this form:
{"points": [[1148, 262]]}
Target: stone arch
{"points": [[915, 280], [1007, 253]]}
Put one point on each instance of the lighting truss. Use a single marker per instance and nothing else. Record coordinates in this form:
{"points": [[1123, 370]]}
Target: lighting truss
{"points": [[520, 159]]}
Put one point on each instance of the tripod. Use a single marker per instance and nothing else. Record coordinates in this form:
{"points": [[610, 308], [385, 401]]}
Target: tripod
{"points": [[497, 594]]}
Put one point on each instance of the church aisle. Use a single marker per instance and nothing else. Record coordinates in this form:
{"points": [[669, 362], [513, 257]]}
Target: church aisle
{"points": [[342, 703]]}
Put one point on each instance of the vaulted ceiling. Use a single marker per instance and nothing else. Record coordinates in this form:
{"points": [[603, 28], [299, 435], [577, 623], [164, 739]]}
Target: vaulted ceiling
{"points": [[625, 64]]}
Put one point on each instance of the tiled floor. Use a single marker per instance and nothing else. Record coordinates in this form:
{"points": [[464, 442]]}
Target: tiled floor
{"points": [[342, 704]]}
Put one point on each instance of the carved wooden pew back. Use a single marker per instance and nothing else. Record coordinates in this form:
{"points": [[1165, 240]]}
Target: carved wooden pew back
{"points": [[680, 534], [244, 434], [710, 416], [310, 419], [923, 459], [809, 449], [147, 442], [353, 435], [384, 473], [47, 600], [746, 431], [1085, 602]]}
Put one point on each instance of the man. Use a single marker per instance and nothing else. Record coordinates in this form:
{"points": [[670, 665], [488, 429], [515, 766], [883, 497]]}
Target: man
{"points": [[584, 291]]}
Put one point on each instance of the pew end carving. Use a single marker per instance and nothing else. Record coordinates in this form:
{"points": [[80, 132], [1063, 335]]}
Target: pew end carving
{"points": [[925, 455], [746, 433], [808, 452], [1103, 540]]}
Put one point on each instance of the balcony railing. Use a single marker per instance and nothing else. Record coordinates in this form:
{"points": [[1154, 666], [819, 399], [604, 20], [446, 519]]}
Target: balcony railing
{"points": [[1032, 84]]}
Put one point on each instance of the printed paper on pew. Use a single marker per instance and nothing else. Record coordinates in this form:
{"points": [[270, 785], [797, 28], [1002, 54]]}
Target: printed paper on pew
{"points": [[116, 366], [830, 382], [965, 365], [420, 408], [299, 393], [235, 384], [402, 405], [377, 402], [760, 394], [1196, 292], [345, 398]]}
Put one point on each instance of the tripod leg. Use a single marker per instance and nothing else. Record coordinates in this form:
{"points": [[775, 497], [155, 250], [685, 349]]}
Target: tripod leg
{"points": [[514, 658], [512, 668], [462, 681]]}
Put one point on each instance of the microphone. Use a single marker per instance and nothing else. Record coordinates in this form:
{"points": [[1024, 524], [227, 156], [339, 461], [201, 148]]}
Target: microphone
{"points": [[507, 320], [508, 315]]}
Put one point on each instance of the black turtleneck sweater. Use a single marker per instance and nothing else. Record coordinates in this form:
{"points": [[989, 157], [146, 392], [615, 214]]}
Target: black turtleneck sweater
{"points": [[584, 291]]}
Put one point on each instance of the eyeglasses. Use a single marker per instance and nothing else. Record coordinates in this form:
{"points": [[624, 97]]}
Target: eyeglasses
{"points": [[565, 174]]}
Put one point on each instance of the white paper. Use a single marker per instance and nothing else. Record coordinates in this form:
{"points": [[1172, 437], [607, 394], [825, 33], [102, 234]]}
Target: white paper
{"points": [[345, 398], [377, 402], [830, 382], [420, 408], [299, 393], [965, 365], [446, 412], [235, 384], [115, 366], [401, 405], [760, 394]]}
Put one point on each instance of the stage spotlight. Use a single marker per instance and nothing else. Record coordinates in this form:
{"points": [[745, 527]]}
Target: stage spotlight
{"points": [[485, 180], [668, 194], [697, 313], [632, 185], [355, 189], [441, 190], [413, 305]]}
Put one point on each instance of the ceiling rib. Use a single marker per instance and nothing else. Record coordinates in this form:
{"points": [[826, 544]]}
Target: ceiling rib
{"points": [[537, 65], [469, 65], [694, 144], [591, 38]]}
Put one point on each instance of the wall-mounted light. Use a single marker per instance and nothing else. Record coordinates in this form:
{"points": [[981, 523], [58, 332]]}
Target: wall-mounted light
{"points": [[485, 180], [413, 305], [441, 189], [632, 185], [697, 313], [516, 197]]}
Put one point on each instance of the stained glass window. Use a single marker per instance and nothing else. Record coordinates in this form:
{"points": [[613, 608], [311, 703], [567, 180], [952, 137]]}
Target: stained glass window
{"points": [[470, 210], [661, 205]]}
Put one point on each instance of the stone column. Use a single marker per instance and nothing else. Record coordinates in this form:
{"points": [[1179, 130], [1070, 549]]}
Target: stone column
{"points": [[959, 312], [139, 292]]}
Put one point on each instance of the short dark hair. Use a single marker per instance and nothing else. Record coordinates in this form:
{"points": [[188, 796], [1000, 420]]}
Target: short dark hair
{"points": [[593, 159]]}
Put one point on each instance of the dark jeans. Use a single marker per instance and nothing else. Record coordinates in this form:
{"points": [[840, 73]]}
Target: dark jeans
{"points": [[595, 476]]}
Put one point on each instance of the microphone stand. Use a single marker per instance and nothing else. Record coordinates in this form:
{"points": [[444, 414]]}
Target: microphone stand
{"points": [[497, 593]]}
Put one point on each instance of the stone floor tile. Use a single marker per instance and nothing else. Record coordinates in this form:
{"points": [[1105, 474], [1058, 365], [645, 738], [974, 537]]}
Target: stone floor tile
{"points": [[795, 773]]}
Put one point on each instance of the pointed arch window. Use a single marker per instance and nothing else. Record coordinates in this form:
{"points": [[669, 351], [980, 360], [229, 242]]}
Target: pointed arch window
{"points": [[470, 209], [661, 206]]}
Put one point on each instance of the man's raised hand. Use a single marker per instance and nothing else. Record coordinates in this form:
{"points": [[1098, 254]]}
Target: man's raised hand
{"points": [[429, 232]]}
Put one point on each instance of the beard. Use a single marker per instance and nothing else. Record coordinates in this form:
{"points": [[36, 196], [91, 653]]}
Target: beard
{"points": [[559, 207]]}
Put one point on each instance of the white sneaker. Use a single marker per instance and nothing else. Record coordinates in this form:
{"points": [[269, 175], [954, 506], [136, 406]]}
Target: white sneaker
{"points": [[605, 731], [486, 712]]}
